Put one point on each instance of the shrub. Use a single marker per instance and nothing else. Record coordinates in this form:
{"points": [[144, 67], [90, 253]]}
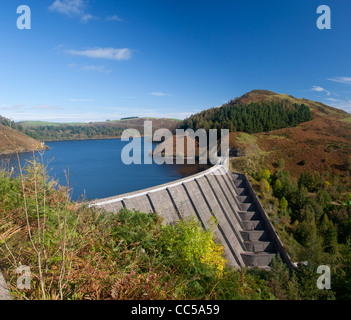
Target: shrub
{"points": [[193, 249], [264, 173], [264, 186]]}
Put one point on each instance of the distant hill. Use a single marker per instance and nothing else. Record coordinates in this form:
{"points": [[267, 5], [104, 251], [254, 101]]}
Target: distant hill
{"points": [[53, 131], [11, 139], [128, 118]]}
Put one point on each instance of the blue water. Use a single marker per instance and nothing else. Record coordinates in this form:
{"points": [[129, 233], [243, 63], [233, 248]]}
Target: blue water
{"points": [[96, 170]]}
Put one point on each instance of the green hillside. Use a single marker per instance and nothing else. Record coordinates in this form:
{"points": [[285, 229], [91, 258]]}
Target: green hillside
{"points": [[263, 115]]}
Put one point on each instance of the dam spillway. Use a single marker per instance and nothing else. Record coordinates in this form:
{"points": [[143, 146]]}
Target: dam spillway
{"points": [[242, 227]]}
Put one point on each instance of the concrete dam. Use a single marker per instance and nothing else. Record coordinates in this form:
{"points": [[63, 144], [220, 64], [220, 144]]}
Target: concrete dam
{"points": [[243, 227]]}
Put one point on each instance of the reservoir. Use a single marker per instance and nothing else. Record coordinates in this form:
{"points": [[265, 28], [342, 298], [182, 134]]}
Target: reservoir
{"points": [[96, 169]]}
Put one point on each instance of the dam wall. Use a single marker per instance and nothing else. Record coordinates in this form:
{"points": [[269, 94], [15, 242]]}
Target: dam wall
{"points": [[243, 228]]}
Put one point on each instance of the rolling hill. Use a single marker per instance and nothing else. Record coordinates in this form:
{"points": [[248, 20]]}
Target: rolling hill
{"points": [[12, 140], [51, 131], [321, 142]]}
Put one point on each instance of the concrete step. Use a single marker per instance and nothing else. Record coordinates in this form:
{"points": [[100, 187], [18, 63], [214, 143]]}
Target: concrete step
{"points": [[239, 183], [261, 259], [249, 215], [255, 235], [241, 191], [248, 206], [253, 225], [244, 199], [259, 246]]}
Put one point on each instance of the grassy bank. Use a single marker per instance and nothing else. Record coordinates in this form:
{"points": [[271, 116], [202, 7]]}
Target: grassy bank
{"points": [[76, 252]]}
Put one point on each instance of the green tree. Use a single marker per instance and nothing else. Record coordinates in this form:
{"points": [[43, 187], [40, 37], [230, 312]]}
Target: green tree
{"points": [[264, 173], [277, 188], [264, 186], [329, 234], [306, 181], [282, 281]]}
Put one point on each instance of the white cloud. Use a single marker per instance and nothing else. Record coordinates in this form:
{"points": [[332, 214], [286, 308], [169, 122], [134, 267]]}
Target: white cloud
{"points": [[86, 18], [333, 100], [114, 18], [80, 100], [59, 114], [12, 107], [68, 7], [343, 80], [317, 88], [72, 8], [104, 53], [344, 104], [101, 69], [22, 107], [45, 107], [161, 94], [320, 89]]}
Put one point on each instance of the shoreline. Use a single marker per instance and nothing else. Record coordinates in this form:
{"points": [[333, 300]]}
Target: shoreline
{"points": [[11, 152], [7, 153], [85, 139]]}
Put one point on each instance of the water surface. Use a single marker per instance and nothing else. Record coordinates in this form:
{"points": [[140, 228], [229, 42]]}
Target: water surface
{"points": [[96, 170]]}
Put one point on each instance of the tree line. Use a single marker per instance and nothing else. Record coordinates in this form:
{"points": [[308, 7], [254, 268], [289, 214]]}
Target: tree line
{"points": [[252, 118], [64, 131]]}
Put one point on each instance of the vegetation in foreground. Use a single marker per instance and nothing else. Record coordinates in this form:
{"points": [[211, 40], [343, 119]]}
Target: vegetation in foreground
{"points": [[75, 252], [312, 215]]}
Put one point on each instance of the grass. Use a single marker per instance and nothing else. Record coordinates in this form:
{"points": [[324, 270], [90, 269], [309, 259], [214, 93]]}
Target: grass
{"points": [[78, 253], [246, 138], [253, 157], [347, 119]]}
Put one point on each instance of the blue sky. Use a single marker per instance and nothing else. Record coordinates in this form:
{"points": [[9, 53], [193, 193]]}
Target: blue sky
{"points": [[92, 60]]}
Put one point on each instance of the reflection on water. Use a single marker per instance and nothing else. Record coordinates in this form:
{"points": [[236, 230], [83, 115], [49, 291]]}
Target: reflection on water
{"points": [[190, 169]]}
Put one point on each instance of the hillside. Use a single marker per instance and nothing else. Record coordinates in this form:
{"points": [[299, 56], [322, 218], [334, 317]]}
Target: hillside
{"points": [[257, 111], [12, 140], [322, 143], [51, 131]]}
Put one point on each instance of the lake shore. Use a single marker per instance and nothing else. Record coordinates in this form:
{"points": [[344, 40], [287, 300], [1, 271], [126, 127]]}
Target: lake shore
{"points": [[23, 150]]}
